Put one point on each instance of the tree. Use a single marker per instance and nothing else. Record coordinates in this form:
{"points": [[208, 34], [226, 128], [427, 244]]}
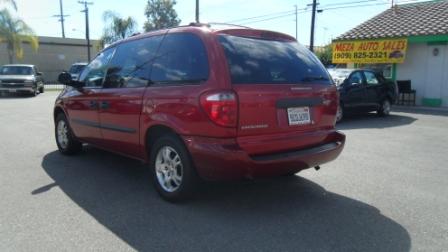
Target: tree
{"points": [[14, 32], [118, 28], [160, 14], [325, 54], [11, 2]]}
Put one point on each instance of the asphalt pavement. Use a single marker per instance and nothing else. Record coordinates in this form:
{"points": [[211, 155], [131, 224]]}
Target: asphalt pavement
{"points": [[387, 191]]}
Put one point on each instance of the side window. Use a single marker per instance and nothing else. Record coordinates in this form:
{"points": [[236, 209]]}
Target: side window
{"points": [[94, 73], [182, 58], [371, 78], [355, 77], [131, 63]]}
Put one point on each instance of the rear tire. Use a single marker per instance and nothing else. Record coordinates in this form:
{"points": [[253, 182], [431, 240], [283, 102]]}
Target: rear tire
{"points": [[65, 139], [340, 113], [172, 169], [41, 90], [385, 108]]}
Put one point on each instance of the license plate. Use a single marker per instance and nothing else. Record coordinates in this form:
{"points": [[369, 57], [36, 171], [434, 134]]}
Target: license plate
{"points": [[299, 116]]}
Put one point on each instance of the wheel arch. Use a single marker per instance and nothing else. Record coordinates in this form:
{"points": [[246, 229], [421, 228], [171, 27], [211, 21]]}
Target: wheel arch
{"points": [[57, 110], [154, 132]]}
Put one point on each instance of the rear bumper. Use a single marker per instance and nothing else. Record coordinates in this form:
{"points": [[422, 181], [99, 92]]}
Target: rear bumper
{"points": [[220, 159]]}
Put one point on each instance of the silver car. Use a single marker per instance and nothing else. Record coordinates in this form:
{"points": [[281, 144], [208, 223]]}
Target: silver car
{"points": [[21, 78]]}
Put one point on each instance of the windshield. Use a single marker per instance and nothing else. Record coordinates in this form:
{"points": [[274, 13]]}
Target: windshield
{"points": [[261, 61], [76, 69], [340, 73], [16, 70]]}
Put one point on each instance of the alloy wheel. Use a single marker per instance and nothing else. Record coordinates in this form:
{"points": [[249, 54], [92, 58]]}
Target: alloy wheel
{"points": [[62, 133], [169, 169]]}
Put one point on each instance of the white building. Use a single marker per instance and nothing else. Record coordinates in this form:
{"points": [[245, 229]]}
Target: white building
{"points": [[425, 28]]}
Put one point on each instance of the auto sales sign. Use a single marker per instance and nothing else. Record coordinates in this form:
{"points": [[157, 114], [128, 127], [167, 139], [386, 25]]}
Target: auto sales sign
{"points": [[370, 51]]}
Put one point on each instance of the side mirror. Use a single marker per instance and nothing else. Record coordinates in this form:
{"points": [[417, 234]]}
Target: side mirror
{"points": [[66, 79], [39, 73]]}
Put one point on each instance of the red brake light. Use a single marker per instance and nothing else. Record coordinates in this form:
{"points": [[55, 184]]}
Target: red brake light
{"points": [[221, 108]]}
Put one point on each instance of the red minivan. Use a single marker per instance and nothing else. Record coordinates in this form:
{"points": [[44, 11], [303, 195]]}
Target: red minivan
{"points": [[196, 102]]}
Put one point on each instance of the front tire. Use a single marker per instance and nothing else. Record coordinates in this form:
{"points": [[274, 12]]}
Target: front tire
{"points": [[41, 90], [65, 139], [172, 169], [385, 108], [34, 92]]}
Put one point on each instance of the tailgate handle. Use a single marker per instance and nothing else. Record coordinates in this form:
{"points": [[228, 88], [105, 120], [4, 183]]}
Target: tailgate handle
{"points": [[299, 102]]}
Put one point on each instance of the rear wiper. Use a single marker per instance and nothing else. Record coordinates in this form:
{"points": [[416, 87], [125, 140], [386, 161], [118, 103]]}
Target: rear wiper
{"points": [[314, 78]]}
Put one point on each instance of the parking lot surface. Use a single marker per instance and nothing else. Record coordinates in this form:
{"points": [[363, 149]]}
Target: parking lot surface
{"points": [[386, 192]]}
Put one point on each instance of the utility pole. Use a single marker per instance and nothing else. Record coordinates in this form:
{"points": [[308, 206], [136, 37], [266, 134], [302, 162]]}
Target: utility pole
{"points": [[296, 19], [313, 20], [197, 11], [86, 11], [61, 17]]}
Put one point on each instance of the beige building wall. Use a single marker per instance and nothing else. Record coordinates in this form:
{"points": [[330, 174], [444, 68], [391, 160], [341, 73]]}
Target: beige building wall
{"points": [[53, 56]]}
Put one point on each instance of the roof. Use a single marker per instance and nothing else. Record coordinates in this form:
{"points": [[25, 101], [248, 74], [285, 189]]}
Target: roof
{"points": [[416, 19], [201, 28]]}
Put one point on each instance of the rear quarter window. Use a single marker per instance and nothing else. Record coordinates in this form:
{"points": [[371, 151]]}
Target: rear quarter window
{"points": [[182, 58], [261, 61]]}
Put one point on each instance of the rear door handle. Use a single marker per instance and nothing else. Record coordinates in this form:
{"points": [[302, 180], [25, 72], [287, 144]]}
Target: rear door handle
{"points": [[105, 105], [93, 105]]}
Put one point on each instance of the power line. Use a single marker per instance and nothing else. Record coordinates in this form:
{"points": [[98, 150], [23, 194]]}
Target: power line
{"points": [[261, 16], [293, 11], [261, 20]]}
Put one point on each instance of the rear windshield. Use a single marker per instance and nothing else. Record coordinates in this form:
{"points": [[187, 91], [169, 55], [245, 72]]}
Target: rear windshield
{"points": [[261, 61], [76, 69], [16, 70]]}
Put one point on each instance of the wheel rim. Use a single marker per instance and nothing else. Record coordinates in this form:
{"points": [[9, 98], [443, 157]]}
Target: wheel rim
{"points": [[169, 169], [339, 114], [386, 107], [62, 133]]}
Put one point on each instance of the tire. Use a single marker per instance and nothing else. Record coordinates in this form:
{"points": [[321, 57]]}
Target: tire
{"points": [[34, 92], [65, 139], [385, 107], [172, 169], [340, 113], [42, 90]]}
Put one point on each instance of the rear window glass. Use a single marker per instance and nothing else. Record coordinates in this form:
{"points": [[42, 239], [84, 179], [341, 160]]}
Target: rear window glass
{"points": [[75, 69], [260, 61]]}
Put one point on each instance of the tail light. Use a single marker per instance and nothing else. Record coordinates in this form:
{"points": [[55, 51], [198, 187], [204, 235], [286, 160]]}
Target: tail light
{"points": [[221, 107]]}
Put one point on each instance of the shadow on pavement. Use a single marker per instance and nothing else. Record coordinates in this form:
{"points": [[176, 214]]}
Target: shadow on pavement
{"points": [[290, 213], [15, 96], [372, 120], [421, 111]]}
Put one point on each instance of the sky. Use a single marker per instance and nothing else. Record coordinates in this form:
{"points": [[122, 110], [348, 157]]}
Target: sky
{"points": [[337, 17]]}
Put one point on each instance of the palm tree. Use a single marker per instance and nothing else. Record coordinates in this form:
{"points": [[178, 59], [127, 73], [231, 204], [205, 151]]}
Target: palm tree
{"points": [[118, 28], [14, 32], [11, 2]]}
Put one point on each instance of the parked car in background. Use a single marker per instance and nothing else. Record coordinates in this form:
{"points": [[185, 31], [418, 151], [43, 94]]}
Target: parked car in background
{"points": [[363, 90], [76, 69], [195, 102], [20, 78]]}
